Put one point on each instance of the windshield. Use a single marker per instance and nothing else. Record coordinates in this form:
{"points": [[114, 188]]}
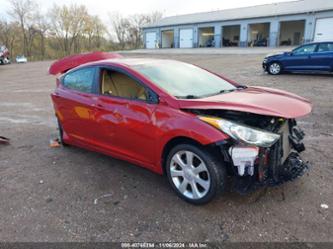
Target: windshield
{"points": [[184, 80]]}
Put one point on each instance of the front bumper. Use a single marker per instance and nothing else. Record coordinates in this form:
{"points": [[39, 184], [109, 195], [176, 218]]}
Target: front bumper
{"points": [[293, 168], [278, 164], [265, 65]]}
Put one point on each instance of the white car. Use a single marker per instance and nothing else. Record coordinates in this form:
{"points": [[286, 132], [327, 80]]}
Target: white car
{"points": [[21, 59]]}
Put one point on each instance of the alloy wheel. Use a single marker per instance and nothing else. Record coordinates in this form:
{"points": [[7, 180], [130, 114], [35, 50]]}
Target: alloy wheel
{"points": [[190, 175], [275, 68]]}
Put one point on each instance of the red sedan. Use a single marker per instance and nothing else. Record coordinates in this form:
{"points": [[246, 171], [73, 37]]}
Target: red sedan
{"points": [[194, 126]]}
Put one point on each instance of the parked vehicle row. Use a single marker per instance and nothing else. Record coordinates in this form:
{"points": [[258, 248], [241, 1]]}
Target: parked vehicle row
{"points": [[193, 126], [4, 55], [312, 57]]}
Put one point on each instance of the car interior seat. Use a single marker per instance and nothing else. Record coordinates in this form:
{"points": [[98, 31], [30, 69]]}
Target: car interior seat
{"points": [[118, 84], [108, 86]]}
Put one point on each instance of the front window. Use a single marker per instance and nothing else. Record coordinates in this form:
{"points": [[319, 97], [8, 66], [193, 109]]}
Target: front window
{"points": [[184, 80], [307, 49]]}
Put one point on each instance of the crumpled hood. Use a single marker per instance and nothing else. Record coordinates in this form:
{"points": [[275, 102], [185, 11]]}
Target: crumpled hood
{"points": [[257, 100]]}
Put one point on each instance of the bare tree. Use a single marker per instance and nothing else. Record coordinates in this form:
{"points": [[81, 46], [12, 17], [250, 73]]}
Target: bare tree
{"points": [[121, 26], [67, 24], [8, 34], [94, 30], [42, 26], [128, 30], [22, 11], [138, 21], [67, 29]]}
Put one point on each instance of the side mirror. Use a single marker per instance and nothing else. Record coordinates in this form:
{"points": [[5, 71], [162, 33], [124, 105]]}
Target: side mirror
{"points": [[152, 98]]}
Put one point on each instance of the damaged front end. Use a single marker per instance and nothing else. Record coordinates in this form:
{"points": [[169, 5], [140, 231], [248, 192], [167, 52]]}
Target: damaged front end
{"points": [[271, 162]]}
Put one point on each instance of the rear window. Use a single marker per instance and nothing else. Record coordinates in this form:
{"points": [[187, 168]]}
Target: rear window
{"points": [[81, 80], [325, 47]]}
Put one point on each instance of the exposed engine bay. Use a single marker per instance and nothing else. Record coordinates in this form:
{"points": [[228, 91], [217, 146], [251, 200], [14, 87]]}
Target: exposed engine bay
{"points": [[253, 166]]}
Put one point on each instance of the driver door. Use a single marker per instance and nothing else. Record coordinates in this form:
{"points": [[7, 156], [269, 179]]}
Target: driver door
{"points": [[125, 117], [300, 58]]}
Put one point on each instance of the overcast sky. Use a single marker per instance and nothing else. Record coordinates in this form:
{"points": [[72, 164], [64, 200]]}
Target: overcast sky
{"points": [[168, 7]]}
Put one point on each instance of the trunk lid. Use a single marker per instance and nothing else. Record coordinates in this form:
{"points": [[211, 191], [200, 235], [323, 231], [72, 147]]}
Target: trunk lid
{"points": [[63, 65]]}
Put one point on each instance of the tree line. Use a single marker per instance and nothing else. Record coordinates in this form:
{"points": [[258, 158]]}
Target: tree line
{"points": [[67, 29]]}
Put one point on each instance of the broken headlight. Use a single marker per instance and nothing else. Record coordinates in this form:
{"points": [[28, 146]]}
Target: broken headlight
{"points": [[242, 132]]}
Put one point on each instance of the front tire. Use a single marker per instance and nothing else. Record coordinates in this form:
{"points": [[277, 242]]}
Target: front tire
{"points": [[194, 173], [274, 68]]}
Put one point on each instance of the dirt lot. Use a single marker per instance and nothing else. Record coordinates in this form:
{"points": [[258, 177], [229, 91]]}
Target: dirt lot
{"points": [[49, 194]]}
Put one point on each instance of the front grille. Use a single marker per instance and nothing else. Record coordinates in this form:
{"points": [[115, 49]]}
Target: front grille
{"points": [[285, 142], [275, 156]]}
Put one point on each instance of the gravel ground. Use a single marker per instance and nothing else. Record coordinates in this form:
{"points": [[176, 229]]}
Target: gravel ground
{"points": [[51, 194]]}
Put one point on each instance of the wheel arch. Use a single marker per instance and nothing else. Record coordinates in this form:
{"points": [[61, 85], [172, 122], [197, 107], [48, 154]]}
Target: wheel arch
{"points": [[183, 140], [277, 61], [172, 143]]}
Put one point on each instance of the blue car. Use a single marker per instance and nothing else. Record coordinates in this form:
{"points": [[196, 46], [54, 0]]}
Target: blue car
{"points": [[311, 57]]}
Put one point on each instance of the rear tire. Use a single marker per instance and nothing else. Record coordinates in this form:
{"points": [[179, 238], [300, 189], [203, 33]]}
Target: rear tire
{"points": [[194, 173], [274, 68]]}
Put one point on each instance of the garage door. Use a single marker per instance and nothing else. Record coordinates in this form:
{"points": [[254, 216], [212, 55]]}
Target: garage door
{"points": [[151, 40], [324, 29], [186, 38]]}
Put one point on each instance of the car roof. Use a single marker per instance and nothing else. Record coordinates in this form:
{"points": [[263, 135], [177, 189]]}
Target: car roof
{"points": [[127, 62], [316, 43], [73, 62]]}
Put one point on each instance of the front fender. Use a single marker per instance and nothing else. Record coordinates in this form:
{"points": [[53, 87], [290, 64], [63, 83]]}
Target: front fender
{"points": [[178, 123]]}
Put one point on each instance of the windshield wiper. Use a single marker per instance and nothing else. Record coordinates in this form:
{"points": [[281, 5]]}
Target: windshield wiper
{"points": [[188, 97], [224, 91], [241, 87]]}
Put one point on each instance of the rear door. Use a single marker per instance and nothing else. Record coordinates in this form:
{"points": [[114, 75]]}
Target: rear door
{"points": [[300, 58], [323, 58], [74, 102]]}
